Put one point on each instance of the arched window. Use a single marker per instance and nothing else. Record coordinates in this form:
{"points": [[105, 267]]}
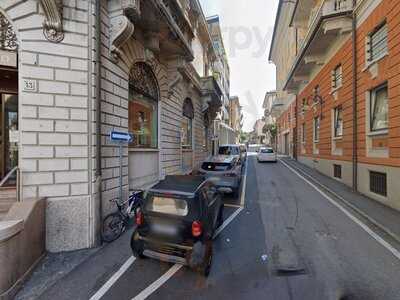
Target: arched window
{"points": [[143, 106], [187, 124]]}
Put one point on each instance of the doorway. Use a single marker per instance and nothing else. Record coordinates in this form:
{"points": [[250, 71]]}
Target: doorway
{"points": [[9, 134], [286, 144]]}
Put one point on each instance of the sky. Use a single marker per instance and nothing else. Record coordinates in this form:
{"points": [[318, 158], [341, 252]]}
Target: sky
{"points": [[247, 27]]}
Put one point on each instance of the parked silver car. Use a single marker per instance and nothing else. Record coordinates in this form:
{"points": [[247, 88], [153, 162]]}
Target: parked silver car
{"points": [[225, 169]]}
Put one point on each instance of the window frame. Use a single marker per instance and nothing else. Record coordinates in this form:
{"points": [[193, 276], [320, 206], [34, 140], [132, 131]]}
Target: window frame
{"points": [[337, 77], [372, 108], [336, 111], [337, 171], [316, 129], [370, 49], [187, 116], [132, 99], [303, 106], [189, 134], [303, 133], [373, 188]]}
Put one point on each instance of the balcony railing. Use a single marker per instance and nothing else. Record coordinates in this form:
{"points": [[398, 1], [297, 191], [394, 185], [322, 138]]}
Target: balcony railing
{"points": [[177, 22], [332, 7], [211, 91], [329, 9]]}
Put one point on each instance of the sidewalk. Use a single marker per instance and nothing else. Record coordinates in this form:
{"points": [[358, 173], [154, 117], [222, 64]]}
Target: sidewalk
{"points": [[385, 217]]}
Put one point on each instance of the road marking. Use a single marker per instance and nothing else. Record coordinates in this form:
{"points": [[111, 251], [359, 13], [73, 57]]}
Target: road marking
{"points": [[158, 283], [243, 193], [227, 221], [232, 205], [375, 236], [175, 268], [103, 290]]}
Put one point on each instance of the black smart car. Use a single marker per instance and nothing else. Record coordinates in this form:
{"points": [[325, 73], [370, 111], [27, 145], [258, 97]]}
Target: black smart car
{"points": [[177, 221]]}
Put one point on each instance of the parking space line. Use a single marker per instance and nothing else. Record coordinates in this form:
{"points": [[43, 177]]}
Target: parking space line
{"points": [[158, 283], [243, 192], [103, 290], [175, 268], [375, 236], [232, 205], [227, 221]]}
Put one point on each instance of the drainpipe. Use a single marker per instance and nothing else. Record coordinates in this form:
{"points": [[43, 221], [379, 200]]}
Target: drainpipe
{"points": [[296, 141], [98, 107], [355, 125]]}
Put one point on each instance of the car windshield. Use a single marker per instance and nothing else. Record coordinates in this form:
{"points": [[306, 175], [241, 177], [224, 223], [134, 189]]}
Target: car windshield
{"points": [[170, 206], [267, 151], [228, 150]]}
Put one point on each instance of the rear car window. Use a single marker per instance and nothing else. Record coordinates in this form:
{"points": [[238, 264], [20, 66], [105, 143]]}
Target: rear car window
{"points": [[170, 206], [268, 151], [227, 150], [210, 166]]}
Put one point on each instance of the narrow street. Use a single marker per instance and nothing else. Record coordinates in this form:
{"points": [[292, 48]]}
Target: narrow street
{"points": [[289, 242]]}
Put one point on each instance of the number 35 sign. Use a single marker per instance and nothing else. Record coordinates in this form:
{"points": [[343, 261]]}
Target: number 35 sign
{"points": [[29, 85]]}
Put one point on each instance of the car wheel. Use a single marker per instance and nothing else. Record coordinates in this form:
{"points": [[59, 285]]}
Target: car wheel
{"points": [[206, 267], [137, 245]]}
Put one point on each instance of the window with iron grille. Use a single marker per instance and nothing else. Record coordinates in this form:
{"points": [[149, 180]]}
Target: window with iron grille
{"points": [[337, 77], [337, 171], [378, 183], [377, 43], [338, 122]]}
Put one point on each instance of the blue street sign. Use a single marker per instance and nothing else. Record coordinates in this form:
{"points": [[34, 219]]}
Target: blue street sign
{"points": [[121, 136]]}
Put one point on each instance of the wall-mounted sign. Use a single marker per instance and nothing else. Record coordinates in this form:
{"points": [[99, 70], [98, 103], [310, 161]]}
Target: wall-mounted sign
{"points": [[121, 136], [29, 85], [8, 58]]}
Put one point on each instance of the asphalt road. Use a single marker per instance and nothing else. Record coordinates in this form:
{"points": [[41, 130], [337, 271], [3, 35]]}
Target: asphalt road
{"points": [[289, 242]]}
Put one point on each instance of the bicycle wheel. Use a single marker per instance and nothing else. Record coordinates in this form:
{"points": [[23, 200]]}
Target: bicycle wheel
{"points": [[113, 227]]}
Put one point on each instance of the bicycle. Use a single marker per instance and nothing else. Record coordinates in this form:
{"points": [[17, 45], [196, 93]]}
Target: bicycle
{"points": [[115, 223]]}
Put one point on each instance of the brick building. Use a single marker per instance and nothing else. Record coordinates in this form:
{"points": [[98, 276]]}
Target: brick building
{"points": [[74, 70], [341, 90]]}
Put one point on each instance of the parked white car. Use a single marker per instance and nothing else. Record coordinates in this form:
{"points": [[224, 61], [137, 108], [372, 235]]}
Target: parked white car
{"points": [[267, 154]]}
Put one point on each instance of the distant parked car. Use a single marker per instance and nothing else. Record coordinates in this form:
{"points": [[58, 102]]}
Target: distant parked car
{"points": [[177, 222], [234, 150], [225, 169], [243, 152], [266, 154], [254, 147]]}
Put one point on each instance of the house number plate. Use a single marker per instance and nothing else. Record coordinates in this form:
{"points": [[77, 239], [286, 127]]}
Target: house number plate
{"points": [[29, 85]]}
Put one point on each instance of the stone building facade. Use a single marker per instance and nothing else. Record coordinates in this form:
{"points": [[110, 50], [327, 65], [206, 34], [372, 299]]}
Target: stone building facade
{"points": [[235, 117], [343, 78], [86, 68]]}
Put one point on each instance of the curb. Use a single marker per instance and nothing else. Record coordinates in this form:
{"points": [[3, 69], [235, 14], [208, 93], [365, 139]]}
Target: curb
{"points": [[381, 227]]}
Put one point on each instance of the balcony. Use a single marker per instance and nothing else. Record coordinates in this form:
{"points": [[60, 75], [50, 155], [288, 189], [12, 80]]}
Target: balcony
{"points": [[278, 106], [176, 30], [326, 26], [211, 93]]}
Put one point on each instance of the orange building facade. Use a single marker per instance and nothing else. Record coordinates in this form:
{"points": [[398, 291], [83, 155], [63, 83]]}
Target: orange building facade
{"points": [[345, 121]]}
